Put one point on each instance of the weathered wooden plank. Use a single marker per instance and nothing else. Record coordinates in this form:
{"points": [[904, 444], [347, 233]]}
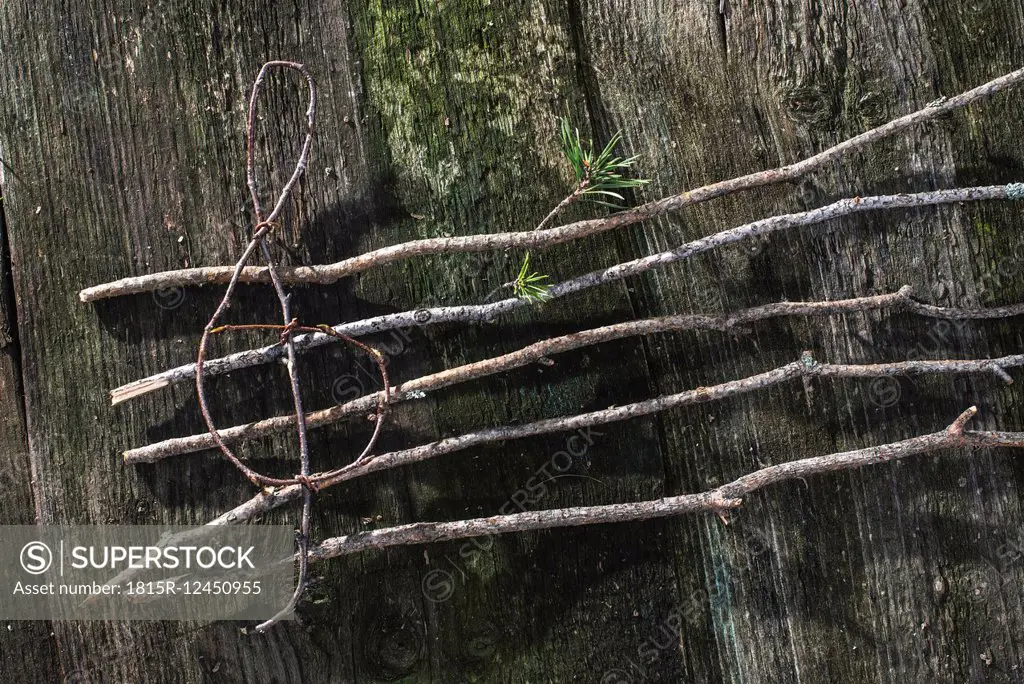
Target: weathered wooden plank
{"points": [[437, 118], [882, 575], [479, 155], [138, 125], [24, 646], [130, 125]]}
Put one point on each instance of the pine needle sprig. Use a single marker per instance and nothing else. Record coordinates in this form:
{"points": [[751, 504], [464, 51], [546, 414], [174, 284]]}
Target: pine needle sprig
{"points": [[597, 174], [530, 285]]}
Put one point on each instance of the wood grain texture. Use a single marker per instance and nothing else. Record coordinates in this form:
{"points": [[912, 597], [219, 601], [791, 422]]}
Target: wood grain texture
{"points": [[24, 645], [126, 120]]}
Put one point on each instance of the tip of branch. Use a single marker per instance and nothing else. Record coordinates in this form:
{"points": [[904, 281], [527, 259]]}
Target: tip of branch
{"points": [[135, 389], [1002, 374], [129, 457], [957, 428]]}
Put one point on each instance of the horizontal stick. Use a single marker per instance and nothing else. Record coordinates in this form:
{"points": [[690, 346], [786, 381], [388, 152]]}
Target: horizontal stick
{"points": [[533, 239], [414, 389], [807, 366], [719, 500], [489, 312]]}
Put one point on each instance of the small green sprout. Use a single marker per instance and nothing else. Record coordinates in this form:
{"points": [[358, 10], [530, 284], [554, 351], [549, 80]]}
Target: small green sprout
{"points": [[530, 285], [599, 175]]}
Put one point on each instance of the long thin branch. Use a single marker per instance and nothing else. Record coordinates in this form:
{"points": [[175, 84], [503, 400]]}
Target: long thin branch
{"points": [[414, 389], [718, 500], [489, 312], [327, 274], [806, 367]]}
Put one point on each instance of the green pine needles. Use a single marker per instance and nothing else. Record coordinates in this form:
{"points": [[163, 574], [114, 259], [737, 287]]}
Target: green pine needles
{"points": [[597, 175], [530, 285]]}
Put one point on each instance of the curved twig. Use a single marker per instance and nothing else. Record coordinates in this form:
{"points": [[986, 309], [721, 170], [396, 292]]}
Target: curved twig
{"points": [[263, 225], [382, 399]]}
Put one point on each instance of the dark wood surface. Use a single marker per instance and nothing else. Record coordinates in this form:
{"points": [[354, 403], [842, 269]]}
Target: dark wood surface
{"points": [[126, 122]]}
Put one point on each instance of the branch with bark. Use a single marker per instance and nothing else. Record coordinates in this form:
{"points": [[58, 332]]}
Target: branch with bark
{"points": [[806, 367], [490, 312], [415, 389], [546, 237], [718, 500]]}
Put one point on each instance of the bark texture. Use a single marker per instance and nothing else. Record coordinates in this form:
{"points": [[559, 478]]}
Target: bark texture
{"points": [[126, 122]]}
